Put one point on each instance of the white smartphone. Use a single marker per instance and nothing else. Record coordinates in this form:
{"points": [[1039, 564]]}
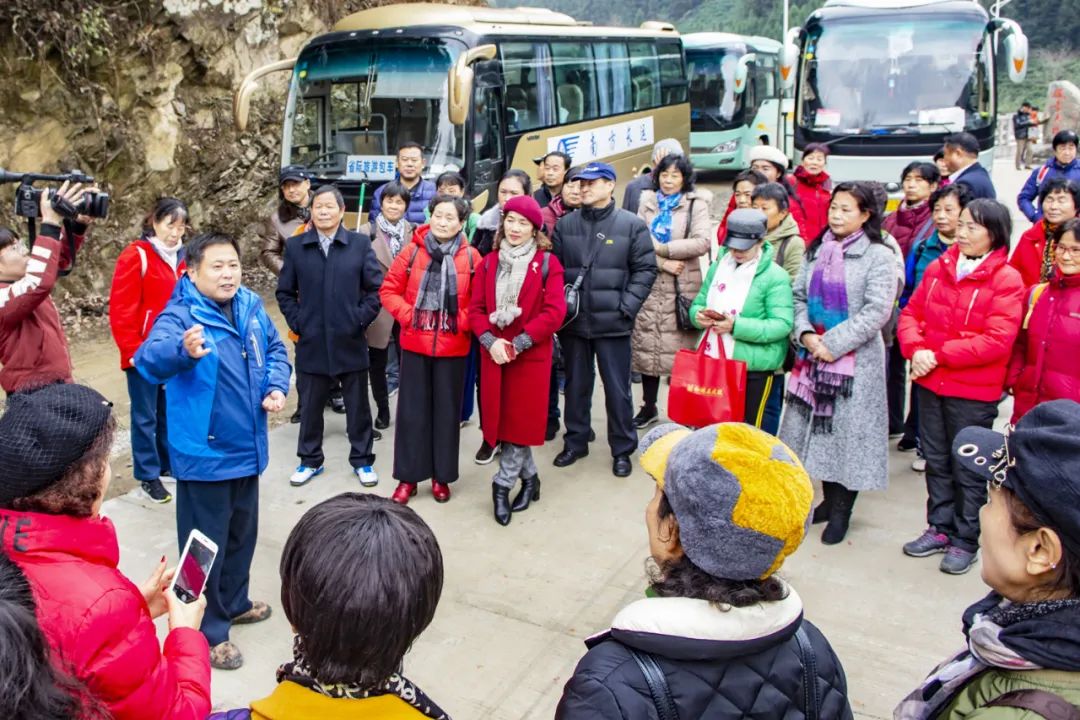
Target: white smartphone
{"points": [[195, 563]]}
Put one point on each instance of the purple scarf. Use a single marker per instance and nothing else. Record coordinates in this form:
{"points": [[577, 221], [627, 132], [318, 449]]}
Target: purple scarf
{"points": [[814, 385]]}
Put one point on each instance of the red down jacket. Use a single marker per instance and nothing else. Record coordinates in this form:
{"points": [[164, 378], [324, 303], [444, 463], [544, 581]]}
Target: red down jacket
{"points": [[136, 298], [1027, 258], [970, 325], [402, 284], [97, 622], [1043, 365]]}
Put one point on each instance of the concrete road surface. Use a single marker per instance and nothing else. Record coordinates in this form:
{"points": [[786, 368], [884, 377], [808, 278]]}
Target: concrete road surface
{"points": [[519, 600]]}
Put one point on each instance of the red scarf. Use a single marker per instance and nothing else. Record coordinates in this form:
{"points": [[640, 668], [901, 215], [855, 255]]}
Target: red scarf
{"points": [[822, 178]]}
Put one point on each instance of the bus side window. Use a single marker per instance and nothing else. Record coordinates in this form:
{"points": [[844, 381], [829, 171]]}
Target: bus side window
{"points": [[612, 77], [575, 86], [672, 73], [530, 98], [644, 75]]}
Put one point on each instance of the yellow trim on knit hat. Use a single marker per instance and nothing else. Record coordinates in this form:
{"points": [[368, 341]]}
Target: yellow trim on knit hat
{"points": [[655, 459]]}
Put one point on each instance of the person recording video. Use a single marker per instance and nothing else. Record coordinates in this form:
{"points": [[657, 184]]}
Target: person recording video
{"points": [[33, 347]]}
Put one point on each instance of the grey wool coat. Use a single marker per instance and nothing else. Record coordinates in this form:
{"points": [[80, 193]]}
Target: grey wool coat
{"points": [[856, 452], [656, 337]]}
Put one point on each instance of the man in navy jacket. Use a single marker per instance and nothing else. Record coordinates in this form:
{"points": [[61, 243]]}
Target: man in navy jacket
{"points": [[224, 367], [962, 157], [410, 165], [328, 292]]}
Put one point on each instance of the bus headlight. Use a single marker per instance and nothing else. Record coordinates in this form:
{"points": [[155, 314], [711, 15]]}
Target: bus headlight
{"points": [[726, 147]]}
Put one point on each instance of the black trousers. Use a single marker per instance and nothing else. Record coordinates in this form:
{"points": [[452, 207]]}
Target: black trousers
{"points": [[761, 388], [227, 512], [428, 418], [612, 357], [954, 496], [380, 389], [316, 389], [896, 384]]}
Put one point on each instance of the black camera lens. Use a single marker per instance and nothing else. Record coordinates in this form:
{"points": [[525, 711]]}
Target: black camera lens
{"points": [[95, 205]]}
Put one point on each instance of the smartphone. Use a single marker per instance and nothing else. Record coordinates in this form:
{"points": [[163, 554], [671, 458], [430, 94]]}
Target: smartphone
{"points": [[195, 563], [712, 314]]}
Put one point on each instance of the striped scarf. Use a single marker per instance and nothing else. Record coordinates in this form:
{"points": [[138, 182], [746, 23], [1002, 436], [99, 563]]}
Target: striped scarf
{"points": [[437, 301]]}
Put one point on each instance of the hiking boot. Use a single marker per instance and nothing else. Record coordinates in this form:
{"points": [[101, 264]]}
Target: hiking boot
{"points": [[930, 542], [957, 561], [155, 491], [648, 415]]}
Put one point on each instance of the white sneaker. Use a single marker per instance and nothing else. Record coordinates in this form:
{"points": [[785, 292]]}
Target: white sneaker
{"points": [[918, 464], [367, 476], [304, 474]]}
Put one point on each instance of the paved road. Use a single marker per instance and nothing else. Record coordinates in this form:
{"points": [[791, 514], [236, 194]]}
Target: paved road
{"points": [[519, 600]]}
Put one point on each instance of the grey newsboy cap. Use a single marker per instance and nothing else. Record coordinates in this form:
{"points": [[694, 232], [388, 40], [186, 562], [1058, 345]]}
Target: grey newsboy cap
{"points": [[745, 227]]}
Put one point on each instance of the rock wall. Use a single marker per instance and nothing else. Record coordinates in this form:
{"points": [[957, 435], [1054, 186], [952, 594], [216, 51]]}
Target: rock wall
{"points": [[139, 94]]}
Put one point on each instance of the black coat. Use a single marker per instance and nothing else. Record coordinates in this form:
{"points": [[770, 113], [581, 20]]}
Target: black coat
{"points": [[621, 276], [978, 181], [329, 300], [632, 194], [710, 677]]}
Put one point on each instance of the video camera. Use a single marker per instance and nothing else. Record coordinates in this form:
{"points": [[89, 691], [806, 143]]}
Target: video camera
{"points": [[28, 197]]}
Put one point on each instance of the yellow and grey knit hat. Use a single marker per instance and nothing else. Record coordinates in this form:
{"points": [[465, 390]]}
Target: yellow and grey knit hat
{"points": [[741, 497]]}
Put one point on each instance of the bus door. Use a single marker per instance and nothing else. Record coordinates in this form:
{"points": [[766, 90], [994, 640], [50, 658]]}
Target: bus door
{"points": [[487, 130]]}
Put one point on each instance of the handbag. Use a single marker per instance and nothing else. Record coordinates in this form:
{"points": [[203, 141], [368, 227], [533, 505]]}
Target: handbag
{"points": [[572, 292], [706, 390], [658, 685], [811, 697], [682, 310]]}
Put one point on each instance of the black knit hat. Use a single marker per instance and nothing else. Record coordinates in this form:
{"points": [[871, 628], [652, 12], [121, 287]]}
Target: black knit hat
{"points": [[44, 432]]}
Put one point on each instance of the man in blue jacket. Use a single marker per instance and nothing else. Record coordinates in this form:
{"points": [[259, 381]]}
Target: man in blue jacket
{"points": [[410, 165], [328, 292], [1062, 164], [962, 157], [224, 367]]}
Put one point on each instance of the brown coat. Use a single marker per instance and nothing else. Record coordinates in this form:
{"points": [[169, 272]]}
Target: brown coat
{"points": [[281, 224], [378, 333], [656, 337]]}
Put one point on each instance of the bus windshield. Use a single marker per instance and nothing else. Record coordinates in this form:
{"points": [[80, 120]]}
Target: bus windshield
{"points": [[888, 73], [352, 104], [713, 102]]}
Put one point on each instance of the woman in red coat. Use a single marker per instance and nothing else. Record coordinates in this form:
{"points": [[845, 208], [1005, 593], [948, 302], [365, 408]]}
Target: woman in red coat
{"points": [[517, 305], [813, 186], [1034, 257], [958, 330], [427, 292], [54, 471], [1043, 365], [146, 273]]}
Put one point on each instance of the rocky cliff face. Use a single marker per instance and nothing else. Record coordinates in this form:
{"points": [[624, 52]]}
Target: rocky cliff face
{"points": [[139, 93]]}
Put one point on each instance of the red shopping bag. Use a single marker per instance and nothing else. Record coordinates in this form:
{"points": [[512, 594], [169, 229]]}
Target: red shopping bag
{"points": [[706, 390]]}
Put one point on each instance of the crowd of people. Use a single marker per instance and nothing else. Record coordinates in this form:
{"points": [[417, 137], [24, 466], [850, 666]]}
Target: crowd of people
{"points": [[832, 303]]}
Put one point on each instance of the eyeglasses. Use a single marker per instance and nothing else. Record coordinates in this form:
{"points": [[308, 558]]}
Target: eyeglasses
{"points": [[1072, 251]]}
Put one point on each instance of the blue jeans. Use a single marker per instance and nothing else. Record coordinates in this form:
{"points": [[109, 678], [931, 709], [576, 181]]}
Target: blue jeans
{"points": [[149, 430]]}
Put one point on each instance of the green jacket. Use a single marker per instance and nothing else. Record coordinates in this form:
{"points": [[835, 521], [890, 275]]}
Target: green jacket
{"points": [[971, 702], [470, 223], [788, 231], [762, 328]]}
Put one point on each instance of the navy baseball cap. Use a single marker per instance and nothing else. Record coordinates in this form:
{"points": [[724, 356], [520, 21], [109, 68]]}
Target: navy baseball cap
{"points": [[293, 172], [597, 171], [1039, 460], [745, 228]]}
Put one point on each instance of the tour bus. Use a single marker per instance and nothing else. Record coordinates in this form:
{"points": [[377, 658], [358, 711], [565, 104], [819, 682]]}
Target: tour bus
{"points": [[482, 89], [735, 97], [882, 82]]}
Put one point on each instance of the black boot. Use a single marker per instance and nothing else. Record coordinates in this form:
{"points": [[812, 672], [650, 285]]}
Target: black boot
{"points": [[821, 512], [839, 515], [530, 491], [500, 496]]}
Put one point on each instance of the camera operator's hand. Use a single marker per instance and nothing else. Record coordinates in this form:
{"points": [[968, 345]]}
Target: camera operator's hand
{"points": [[193, 342], [87, 220], [70, 193]]}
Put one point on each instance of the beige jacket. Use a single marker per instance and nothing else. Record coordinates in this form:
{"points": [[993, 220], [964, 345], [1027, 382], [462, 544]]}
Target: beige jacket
{"points": [[656, 337]]}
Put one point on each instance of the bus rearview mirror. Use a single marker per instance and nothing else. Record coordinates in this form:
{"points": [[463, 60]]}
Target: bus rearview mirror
{"points": [[789, 60], [1016, 48], [242, 99], [742, 72], [459, 82]]}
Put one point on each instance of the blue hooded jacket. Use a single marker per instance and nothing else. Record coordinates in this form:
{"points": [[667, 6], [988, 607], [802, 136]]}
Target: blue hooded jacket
{"points": [[1029, 194], [217, 426]]}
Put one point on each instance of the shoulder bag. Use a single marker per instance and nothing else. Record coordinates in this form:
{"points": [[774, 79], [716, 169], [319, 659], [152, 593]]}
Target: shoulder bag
{"points": [[572, 292], [811, 698], [658, 685], [682, 304]]}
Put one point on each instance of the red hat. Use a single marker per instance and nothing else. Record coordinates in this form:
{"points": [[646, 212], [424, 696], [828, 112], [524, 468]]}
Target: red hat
{"points": [[525, 206]]}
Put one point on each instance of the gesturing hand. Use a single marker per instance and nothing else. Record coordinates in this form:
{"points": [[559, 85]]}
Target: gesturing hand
{"points": [[274, 402], [193, 342]]}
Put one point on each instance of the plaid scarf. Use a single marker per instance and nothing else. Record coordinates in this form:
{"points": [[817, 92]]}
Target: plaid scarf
{"points": [[394, 232], [661, 224], [437, 301], [815, 385], [298, 672]]}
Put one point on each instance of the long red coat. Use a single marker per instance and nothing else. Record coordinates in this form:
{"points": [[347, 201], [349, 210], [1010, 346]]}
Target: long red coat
{"points": [[1027, 258], [970, 325], [1043, 365], [97, 622], [514, 397], [137, 298], [815, 192]]}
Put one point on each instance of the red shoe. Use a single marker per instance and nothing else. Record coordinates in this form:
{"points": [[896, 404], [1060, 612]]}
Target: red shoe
{"points": [[441, 491], [402, 493]]}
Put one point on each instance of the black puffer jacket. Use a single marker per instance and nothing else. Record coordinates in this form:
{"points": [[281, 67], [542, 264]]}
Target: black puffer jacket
{"points": [[621, 276], [739, 663]]}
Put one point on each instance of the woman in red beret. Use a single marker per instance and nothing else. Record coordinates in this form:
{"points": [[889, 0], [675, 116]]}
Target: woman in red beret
{"points": [[517, 305]]}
